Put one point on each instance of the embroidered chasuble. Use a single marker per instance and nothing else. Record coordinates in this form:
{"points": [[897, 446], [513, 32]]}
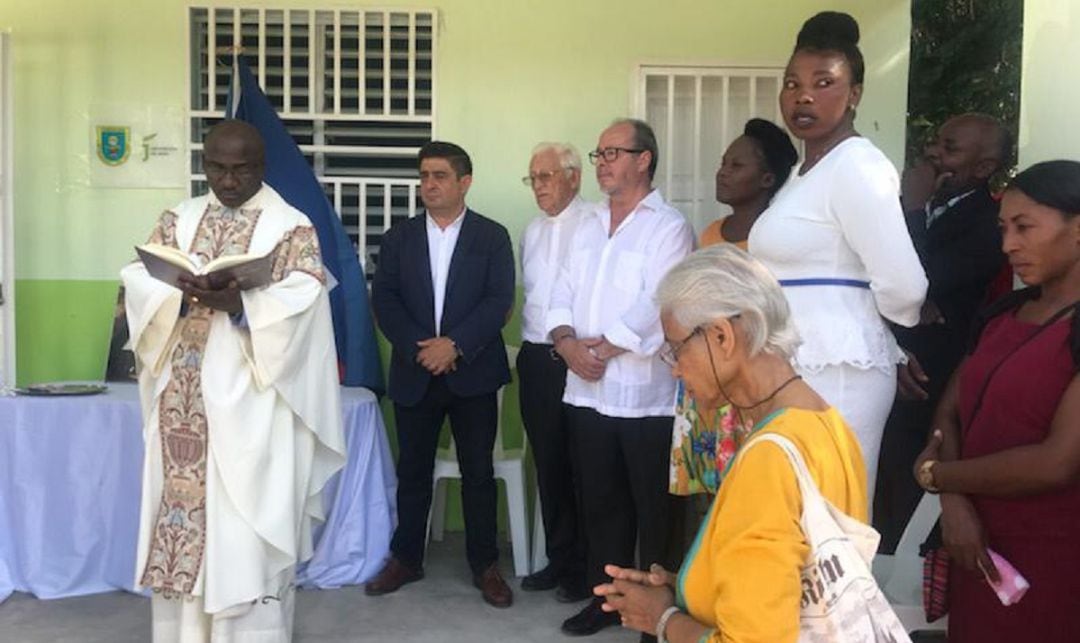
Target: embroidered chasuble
{"points": [[242, 414]]}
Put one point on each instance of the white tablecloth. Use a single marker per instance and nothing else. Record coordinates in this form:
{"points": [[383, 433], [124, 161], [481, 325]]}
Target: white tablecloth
{"points": [[70, 472]]}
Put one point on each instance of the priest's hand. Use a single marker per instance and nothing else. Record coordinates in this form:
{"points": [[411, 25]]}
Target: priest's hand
{"points": [[200, 290], [438, 355]]}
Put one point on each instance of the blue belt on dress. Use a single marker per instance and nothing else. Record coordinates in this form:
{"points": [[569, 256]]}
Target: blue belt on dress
{"points": [[825, 281]]}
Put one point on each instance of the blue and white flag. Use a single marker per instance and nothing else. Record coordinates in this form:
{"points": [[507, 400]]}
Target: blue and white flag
{"points": [[288, 172]]}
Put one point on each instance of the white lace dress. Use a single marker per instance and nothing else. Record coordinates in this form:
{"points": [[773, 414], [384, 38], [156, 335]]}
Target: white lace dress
{"points": [[836, 239]]}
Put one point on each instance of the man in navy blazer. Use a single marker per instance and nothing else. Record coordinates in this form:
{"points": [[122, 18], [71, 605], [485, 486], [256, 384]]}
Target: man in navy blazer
{"points": [[953, 221], [443, 290]]}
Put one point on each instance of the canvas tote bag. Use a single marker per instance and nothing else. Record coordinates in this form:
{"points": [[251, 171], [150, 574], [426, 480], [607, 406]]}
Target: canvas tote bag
{"points": [[841, 602]]}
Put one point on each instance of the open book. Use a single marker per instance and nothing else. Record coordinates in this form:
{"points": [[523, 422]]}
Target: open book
{"points": [[167, 264]]}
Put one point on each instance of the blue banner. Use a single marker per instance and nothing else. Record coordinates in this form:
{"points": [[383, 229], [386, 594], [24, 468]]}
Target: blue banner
{"points": [[288, 172]]}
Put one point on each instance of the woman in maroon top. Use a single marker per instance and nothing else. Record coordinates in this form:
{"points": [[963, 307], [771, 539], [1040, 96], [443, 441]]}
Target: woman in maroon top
{"points": [[1005, 453]]}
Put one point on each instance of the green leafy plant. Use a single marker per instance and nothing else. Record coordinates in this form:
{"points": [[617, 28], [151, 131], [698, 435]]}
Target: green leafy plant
{"points": [[965, 57]]}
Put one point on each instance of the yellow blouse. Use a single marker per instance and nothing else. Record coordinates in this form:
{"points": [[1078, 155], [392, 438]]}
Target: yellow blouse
{"points": [[741, 576], [713, 234]]}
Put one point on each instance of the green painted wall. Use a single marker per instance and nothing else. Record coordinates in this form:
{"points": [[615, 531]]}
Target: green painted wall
{"points": [[1048, 91], [509, 74], [63, 328]]}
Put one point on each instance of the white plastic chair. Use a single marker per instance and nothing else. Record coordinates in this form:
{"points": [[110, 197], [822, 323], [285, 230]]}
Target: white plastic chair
{"points": [[509, 467], [900, 575], [539, 538]]}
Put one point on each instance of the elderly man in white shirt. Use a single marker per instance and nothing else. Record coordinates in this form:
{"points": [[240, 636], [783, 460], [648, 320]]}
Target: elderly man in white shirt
{"points": [[605, 325], [555, 179]]}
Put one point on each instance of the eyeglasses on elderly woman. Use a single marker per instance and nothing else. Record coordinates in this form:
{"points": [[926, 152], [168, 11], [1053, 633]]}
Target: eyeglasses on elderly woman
{"points": [[669, 352]]}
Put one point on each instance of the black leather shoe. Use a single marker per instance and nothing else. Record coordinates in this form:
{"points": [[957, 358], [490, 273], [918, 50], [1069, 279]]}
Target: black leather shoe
{"points": [[572, 591], [590, 620], [543, 580]]}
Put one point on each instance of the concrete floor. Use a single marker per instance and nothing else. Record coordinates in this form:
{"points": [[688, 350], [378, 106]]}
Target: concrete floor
{"points": [[442, 608]]}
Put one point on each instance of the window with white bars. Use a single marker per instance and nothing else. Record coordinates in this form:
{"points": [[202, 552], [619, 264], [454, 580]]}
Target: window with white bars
{"points": [[355, 88], [696, 113]]}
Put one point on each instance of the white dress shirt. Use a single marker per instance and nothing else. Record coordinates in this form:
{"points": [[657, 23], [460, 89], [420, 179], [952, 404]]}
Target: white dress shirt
{"points": [[441, 243], [606, 287], [934, 213], [543, 251]]}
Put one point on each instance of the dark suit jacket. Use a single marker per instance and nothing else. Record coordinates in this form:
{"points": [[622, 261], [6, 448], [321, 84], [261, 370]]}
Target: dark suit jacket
{"points": [[961, 253], [479, 297]]}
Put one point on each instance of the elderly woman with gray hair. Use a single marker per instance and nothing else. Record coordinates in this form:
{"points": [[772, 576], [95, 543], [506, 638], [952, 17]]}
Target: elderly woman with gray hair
{"points": [[730, 339]]}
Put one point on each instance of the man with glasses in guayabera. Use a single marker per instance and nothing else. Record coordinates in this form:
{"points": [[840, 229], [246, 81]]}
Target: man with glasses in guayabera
{"points": [[555, 178], [605, 325]]}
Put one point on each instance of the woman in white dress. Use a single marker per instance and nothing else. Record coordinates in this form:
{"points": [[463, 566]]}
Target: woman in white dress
{"points": [[835, 237]]}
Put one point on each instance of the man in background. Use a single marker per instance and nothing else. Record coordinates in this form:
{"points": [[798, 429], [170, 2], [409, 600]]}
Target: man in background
{"points": [[442, 293], [605, 325], [555, 179], [952, 218]]}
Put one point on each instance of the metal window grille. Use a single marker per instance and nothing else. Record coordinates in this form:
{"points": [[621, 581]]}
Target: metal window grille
{"points": [[355, 88], [696, 112]]}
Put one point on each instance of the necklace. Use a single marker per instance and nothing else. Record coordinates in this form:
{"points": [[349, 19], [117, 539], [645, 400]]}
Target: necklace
{"points": [[768, 397], [743, 411], [763, 400]]}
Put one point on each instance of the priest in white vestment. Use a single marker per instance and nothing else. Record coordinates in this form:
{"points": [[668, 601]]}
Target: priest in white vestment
{"points": [[240, 401]]}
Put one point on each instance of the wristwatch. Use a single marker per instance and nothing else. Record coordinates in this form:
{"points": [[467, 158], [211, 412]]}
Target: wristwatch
{"points": [[926, 476]]}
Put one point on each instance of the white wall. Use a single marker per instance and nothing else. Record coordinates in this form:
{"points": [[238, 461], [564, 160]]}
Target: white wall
{"points": [[1050, 85]]}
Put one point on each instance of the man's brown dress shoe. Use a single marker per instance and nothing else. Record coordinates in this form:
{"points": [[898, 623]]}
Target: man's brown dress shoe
{"points": [[492, 586], [393, 575]]}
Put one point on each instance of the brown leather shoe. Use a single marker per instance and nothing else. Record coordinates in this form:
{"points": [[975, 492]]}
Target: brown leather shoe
{"points": [[393, 575], [493, 588]]}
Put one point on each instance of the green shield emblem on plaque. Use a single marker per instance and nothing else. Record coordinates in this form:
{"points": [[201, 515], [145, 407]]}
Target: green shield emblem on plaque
{"points": [[113, 144]]}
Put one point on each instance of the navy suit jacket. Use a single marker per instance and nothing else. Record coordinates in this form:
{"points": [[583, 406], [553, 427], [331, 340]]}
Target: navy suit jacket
{"points": [[478, 301], [962, 255]]}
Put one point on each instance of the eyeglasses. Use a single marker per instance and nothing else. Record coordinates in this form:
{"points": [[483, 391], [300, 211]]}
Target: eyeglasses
{"points": [[669, 352], [241, 172], [539, 177], [609, 154]]}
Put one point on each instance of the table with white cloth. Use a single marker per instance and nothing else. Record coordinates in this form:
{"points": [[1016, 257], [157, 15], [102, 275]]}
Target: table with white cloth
{"points": [[70, 480]]}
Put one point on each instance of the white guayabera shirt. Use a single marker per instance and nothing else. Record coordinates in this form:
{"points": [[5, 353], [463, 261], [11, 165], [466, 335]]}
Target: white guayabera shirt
{"points": [[544, 249], [607, 287]]}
